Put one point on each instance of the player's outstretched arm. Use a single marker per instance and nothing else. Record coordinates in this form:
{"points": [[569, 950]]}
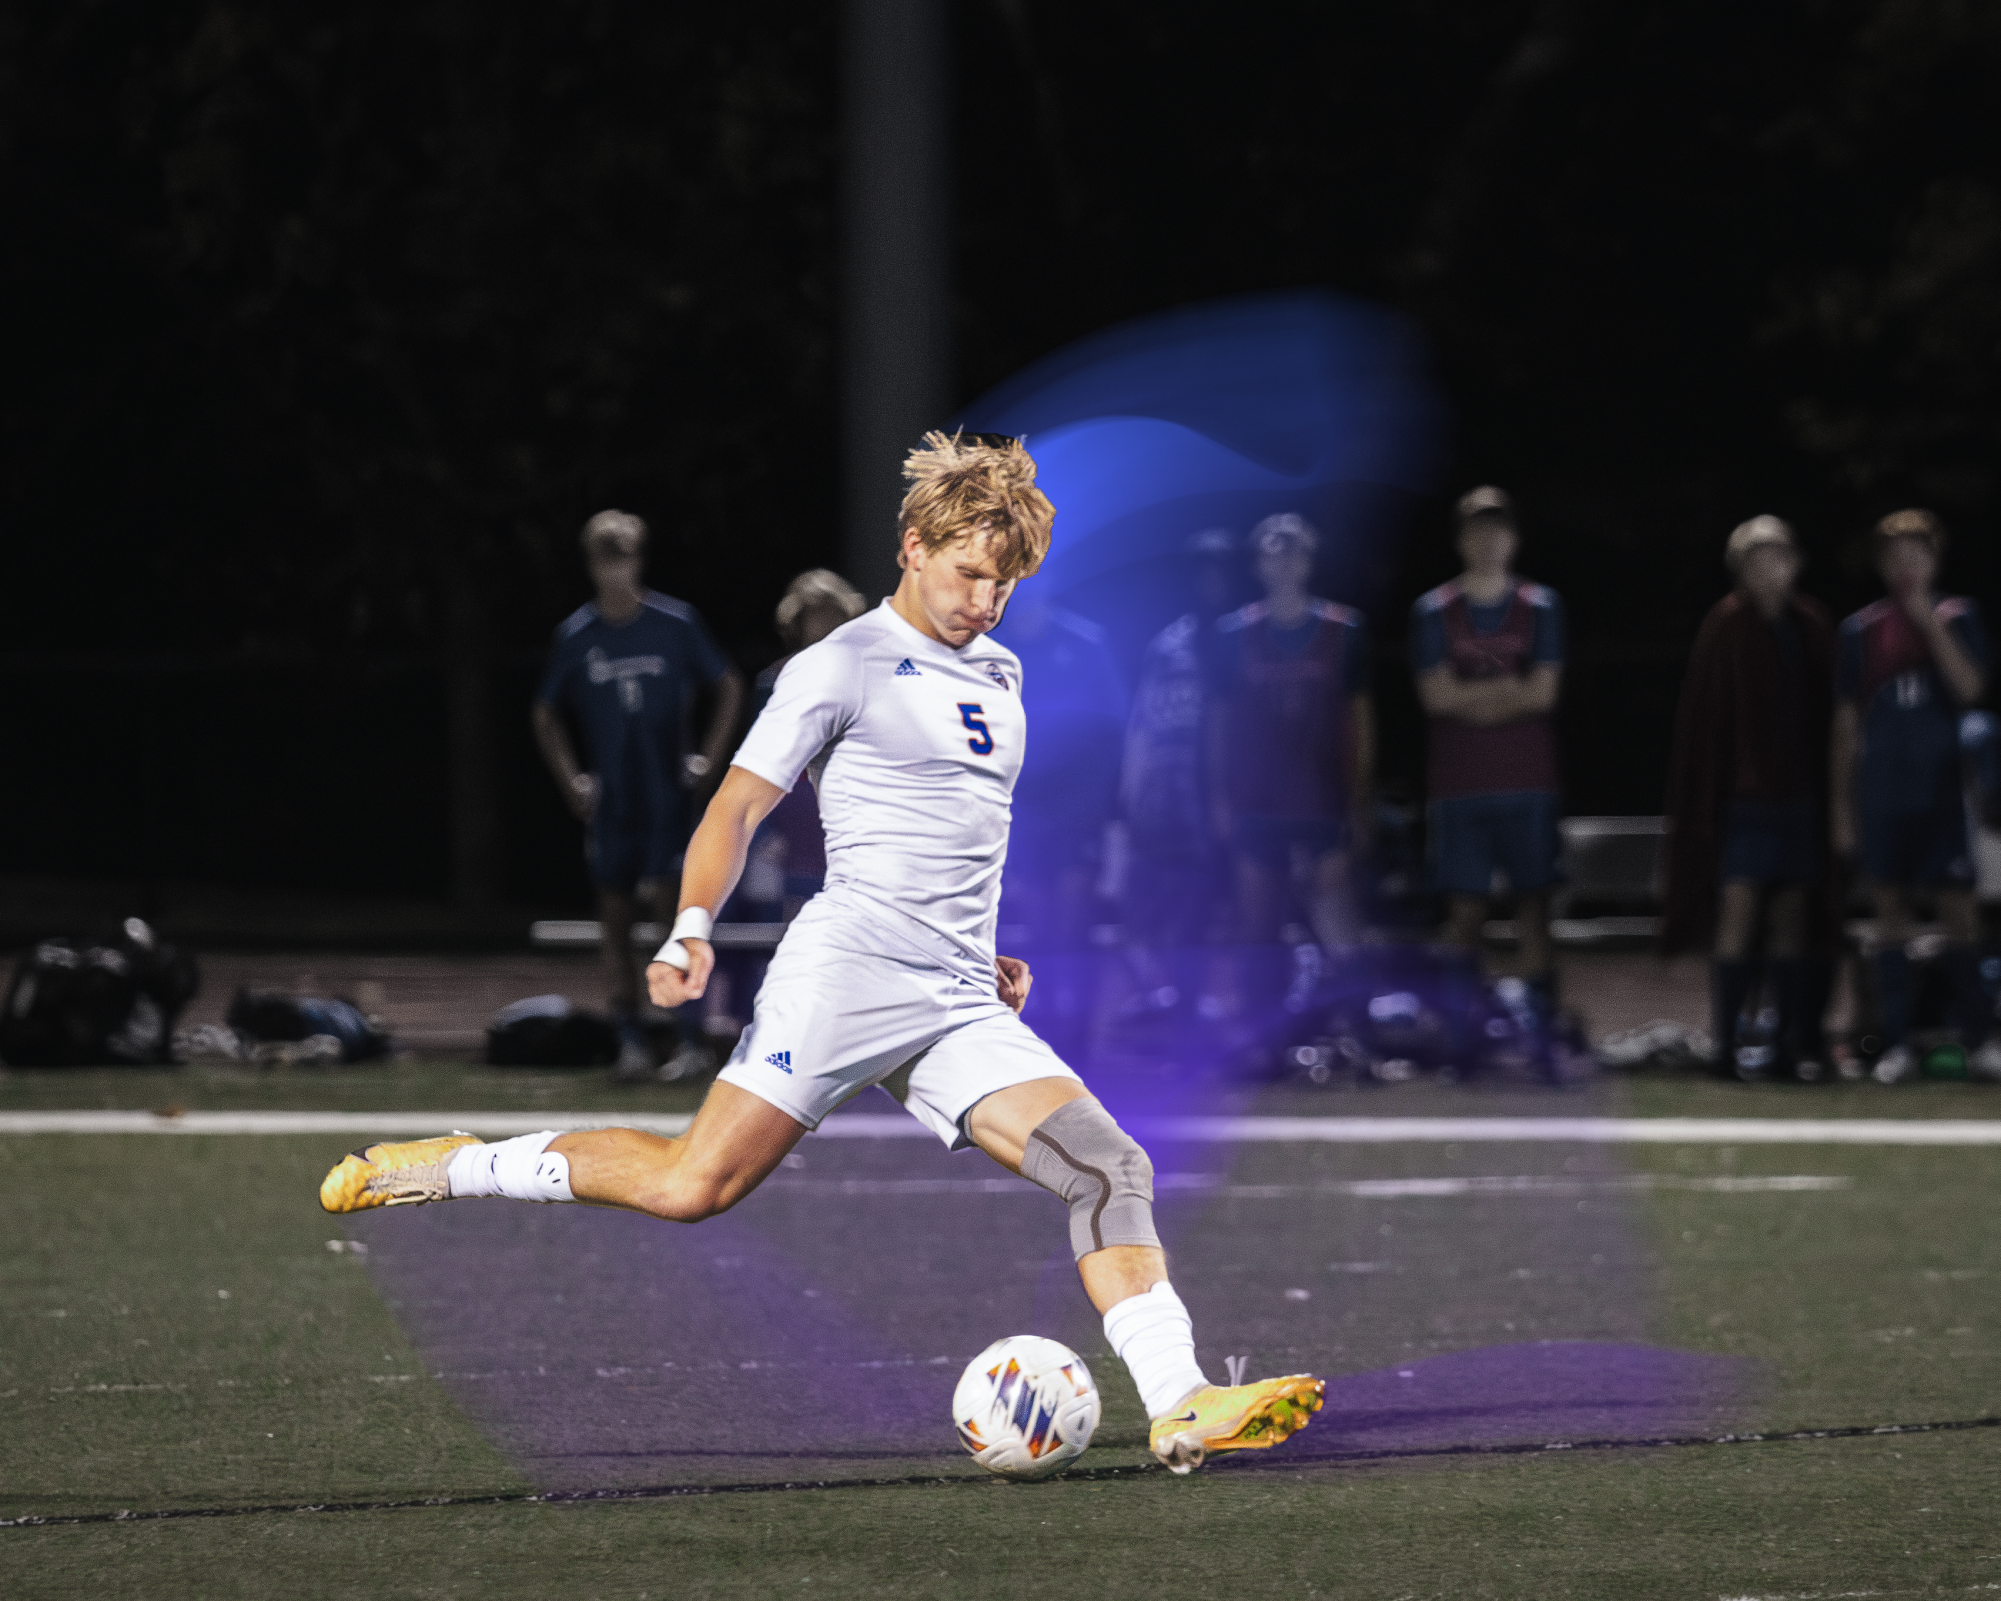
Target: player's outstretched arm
{"points": [[710, 871]]}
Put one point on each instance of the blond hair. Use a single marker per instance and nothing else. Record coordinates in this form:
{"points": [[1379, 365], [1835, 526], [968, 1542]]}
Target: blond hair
{"points": [[816, 587], [621, 530], [962, 484], [1912, 523]]}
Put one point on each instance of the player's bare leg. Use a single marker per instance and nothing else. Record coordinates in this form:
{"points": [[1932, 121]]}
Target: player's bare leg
{"points": [[1465, 916], [735, 1142], [618, 910], [1260, 912], [1736, 919], [1335, 923], [733, 1145], [1896, 922], [1532, 935], [1144, 1319]]}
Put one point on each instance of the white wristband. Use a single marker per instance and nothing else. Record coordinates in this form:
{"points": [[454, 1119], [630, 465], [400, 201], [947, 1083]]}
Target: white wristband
{"points": [[693, 923]]}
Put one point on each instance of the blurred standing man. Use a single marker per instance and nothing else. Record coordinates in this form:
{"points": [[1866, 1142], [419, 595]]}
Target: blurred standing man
{"points": [[1064, 800], [1174, 866], [1291, 742], [626, 666], [1488, 652], [1905, 669], [1747, 791]]}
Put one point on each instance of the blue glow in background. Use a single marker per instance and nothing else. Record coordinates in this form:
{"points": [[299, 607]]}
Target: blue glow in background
{"points": [[1218, 415]]}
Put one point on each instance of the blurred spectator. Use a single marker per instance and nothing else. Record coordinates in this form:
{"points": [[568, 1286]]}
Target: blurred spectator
{"points": [[1905, 668], [1747, 790], [1064, 800], [788, 856], [1487, 649], [1175, 869], [1291, 742], [626, 668]]}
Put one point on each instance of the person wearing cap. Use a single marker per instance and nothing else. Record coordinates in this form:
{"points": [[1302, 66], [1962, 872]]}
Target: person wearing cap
{"points": [[1291, 744], [1906, 668], [625, 667], [1174, 866], [1487, 649], [1746, 805]]}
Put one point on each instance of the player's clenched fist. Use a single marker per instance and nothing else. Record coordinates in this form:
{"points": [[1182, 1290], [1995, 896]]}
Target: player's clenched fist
{"points": [[1012, 978], [668, 986]]}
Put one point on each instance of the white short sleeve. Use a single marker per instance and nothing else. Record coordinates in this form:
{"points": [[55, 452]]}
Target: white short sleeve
{"points": [[817, 696]]}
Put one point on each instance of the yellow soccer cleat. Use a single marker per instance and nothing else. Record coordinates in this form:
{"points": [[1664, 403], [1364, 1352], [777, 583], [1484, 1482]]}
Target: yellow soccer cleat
{"points": [[402, 1173], [1237, 1417]]}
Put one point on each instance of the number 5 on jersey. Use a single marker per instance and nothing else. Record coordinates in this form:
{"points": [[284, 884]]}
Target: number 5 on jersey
{"points": [[971, 715]]}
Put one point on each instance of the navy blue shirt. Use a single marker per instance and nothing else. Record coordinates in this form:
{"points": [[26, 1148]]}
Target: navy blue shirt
{"points": [[1910, 720], [628, 685]]}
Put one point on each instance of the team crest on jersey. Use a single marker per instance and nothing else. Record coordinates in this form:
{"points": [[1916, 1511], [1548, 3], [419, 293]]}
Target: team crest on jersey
{"points": [[997, 673], [782, 1060], [905, 670]]}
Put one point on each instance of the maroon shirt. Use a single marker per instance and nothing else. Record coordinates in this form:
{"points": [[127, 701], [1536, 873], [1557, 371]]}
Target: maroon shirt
{"points": [[1497, 758], [1284, 695]]}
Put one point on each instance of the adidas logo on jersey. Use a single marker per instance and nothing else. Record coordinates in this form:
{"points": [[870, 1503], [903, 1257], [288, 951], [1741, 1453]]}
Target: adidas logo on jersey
{"points": [[782, 1060], [905, 670]]}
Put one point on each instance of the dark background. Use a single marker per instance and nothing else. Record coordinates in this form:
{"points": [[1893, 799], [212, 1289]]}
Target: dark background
{"points": [[327, 327]]}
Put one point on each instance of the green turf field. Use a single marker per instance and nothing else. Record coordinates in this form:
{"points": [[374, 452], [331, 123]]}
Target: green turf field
{"points": [[174, 1332]]}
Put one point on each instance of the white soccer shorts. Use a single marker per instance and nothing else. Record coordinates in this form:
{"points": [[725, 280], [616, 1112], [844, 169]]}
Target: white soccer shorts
{"points": [[829, 1023]]}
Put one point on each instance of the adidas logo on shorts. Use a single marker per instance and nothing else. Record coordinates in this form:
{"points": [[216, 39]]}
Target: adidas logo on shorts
{"points": [[782, 1060], [905, 670]]}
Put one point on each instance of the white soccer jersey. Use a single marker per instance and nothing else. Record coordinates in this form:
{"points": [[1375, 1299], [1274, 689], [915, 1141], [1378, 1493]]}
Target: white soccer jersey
{"points": [[914, 749]]}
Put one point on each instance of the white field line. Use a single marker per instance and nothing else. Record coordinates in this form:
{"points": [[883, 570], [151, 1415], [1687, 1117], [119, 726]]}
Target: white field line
{"points": [[1195, 1130], [378, 1125], [1563, 1130], [1216, 1184]]}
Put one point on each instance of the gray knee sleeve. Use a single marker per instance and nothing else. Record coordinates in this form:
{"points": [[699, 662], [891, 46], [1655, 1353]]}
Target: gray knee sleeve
{"points": [[1079, 1153]]}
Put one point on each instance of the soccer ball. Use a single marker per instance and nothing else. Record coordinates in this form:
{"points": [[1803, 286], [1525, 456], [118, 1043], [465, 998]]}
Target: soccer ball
{"points": [[1026, 1407]]}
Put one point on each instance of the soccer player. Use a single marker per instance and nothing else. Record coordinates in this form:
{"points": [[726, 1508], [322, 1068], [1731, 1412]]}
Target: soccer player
{"points": [[1905, 669], [1488, 652], [626, 666], [1175, 868], [1747, 789], [1291, 741], [909, 722]]}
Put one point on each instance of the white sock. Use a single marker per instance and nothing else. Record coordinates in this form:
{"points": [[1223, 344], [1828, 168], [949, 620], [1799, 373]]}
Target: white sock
{"points": [[1155, 1338], [522, 1169]]}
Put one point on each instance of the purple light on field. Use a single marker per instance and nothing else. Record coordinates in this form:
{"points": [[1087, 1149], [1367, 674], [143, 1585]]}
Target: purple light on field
{"points": [[597, 1348], [1509, 1394]]}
